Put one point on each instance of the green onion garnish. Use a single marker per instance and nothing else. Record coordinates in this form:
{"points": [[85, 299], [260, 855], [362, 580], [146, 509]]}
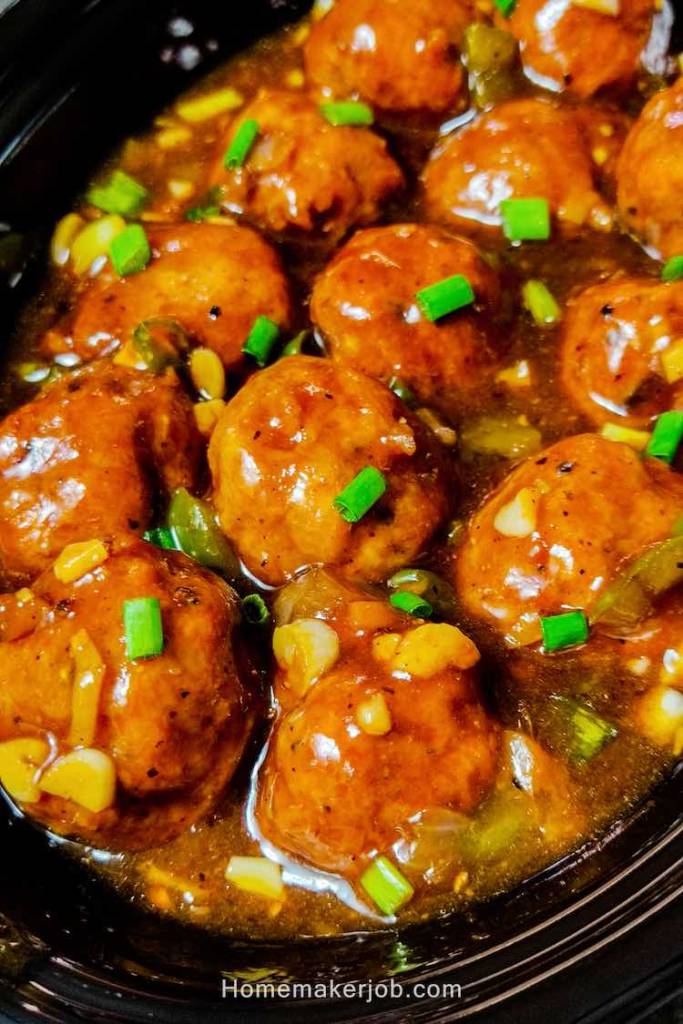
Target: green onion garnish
{"points": [[526, 220], [411, 603], [240, 147], [262, 337], [255, 609], [162, 537], [130, 251], [540, 302], [360, 495], [565, 630], [121, 194], [143, 628], [673, 269], [348, 112], [198, 213], [445, 296], [666, 436], [506, 7], [385, 884], [588, 731], [295, 345], [402, 391]]}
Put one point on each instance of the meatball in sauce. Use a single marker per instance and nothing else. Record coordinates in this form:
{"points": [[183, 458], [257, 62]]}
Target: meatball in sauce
{"points": [[525, 148], [89, 457], [650, 174], [366, 308], [213, 280], [558, 43], [351, 758], [289, 443], [304, 174], [396, 56], [172, 727], [559, 528]]}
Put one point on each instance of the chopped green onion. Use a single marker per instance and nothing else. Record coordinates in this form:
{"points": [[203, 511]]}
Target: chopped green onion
{"points": [[385, 884], [130, 251], [241, 145], [198, 213], [445, 296], [434, 591], [539, 300], [626, 602], [196, 532], [348, 112], [262, 337], [588, 731], [673, 269], [121, 194], [506, 7], [666, 436], [158, 341], [402, 391], [255, 609], [358, 497], [295, 345], [526, 219], [162, 537], [565, 630], [411, 603], [143, 628]]}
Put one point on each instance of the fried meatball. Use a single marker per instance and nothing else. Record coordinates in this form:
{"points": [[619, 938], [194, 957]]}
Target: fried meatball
{"points": [[559, 528], [614, 338], [214, 280], [174, 725], [557, 43], [397, 56], [304, 174], [291, 440], [364, 306], [393, 727], [650, 174], [86, 458], [522, 148]]}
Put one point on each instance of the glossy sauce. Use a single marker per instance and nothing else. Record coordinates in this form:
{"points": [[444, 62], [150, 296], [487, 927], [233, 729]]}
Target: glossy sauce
{"points": [[186, 877]]}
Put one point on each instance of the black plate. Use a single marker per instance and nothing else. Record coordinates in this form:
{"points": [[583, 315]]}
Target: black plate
{"points": [[597, 936]]}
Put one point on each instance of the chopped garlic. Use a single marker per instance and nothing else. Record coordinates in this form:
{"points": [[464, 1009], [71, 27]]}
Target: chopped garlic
{"points": [[385, 645], [203, 108], [78, 559], [373, 715], [20, 762], [257, 875], [180, 188], [169, 138], [431, 648], [62, 239], [305, 650], [295, 78], [93, 241], [207, 373], [672, 361], [636, 439], [207, 415], [518, 517], [611, 7], [516, 376], [86, 776], [87, 688]]}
